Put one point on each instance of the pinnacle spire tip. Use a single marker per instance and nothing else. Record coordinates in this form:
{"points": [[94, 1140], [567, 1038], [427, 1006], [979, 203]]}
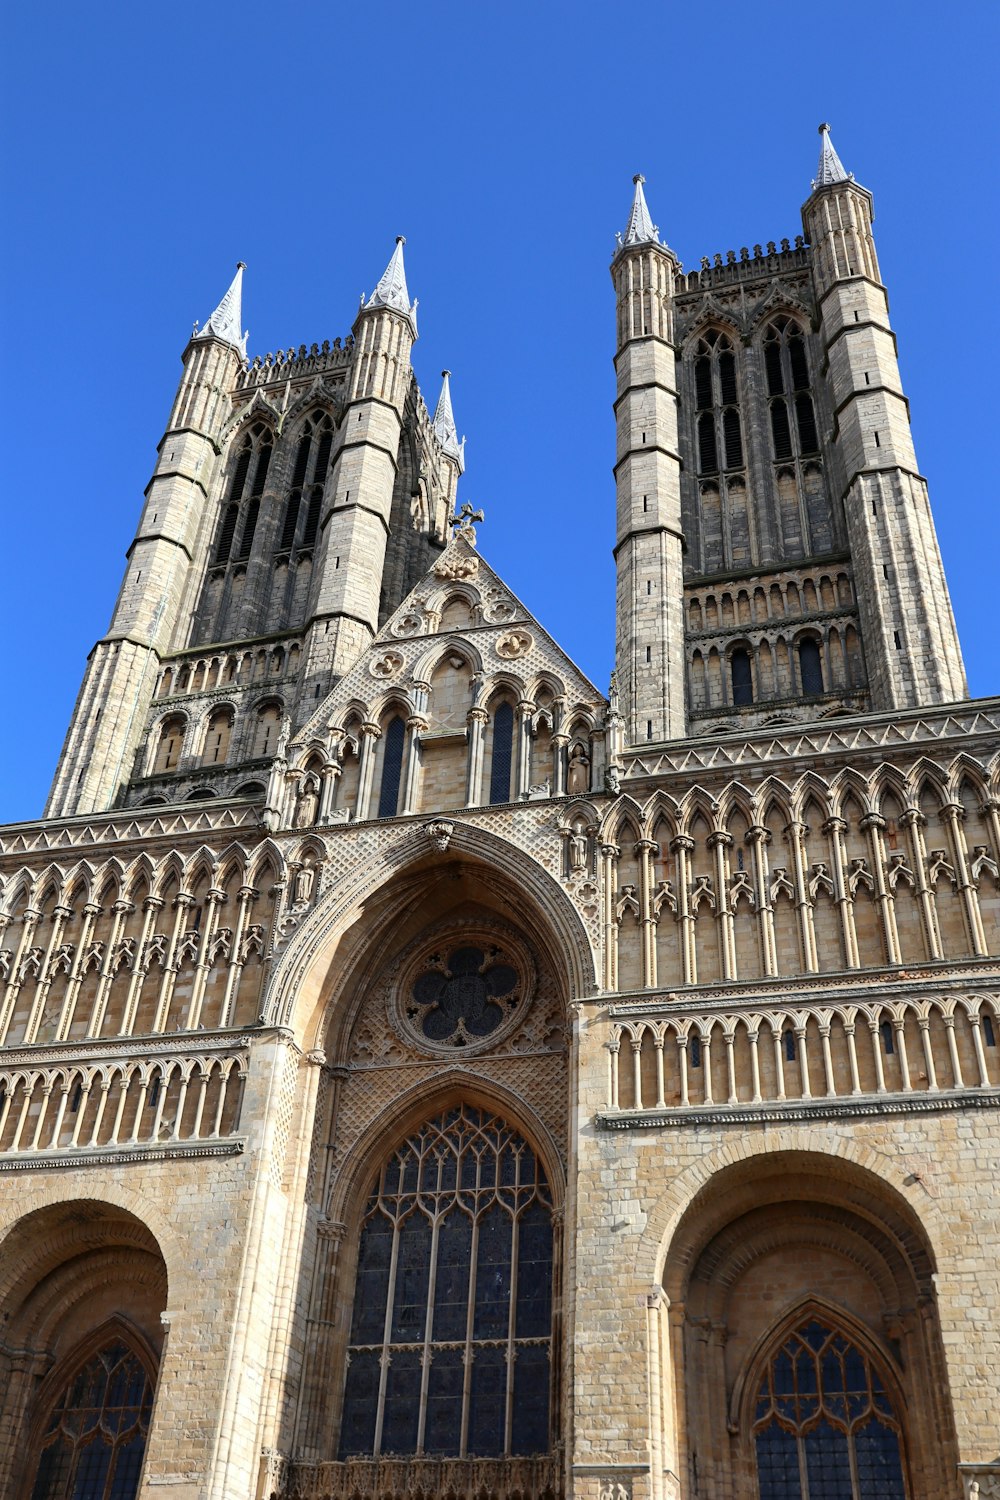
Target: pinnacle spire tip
{"points": [[640, 229], [831, 168], [225, 321]]}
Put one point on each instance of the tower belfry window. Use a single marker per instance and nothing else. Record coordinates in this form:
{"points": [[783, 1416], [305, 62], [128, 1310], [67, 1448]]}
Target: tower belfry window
{"points": [[243, 500], [717, 400], [312, 460]]}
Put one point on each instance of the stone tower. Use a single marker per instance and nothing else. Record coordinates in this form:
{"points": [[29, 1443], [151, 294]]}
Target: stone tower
{"points": [[424, 1076], [295, 501], [759, 399]]}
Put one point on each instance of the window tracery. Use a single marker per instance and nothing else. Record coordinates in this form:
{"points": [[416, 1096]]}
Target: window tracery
{"points": [[94, 1441], [312, 460], [243, 500], [824, 1425], [451, 1337], [725, 513]]}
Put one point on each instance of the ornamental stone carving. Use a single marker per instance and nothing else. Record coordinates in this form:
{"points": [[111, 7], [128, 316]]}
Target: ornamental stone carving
{"points": [[514, 644], [408, 625], [458, 566], [387, 667]]}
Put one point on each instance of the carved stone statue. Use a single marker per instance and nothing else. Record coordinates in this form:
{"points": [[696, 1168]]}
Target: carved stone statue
{"points": [[305, 881], [306, 804], [578, 851], [578, 771]]}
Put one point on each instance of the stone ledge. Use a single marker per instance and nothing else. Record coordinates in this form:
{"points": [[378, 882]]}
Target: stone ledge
{"points": [[811, 1109], [36, 1161]]}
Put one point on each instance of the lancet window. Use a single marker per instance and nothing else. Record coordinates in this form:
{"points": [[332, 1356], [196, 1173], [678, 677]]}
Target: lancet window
{"points": [[502, 760], [824, 1425], [312, 460], [94, 1440], [392, 767], [242, 503], [724, 511], [451, 1336]]}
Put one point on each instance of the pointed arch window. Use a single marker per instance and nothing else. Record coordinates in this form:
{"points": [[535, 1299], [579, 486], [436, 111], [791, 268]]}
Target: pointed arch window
{"points": [[717, 400], [824, 1425], [392, 767], [94, 1440], [243, 496], [312, 461], [786, 367], [451, 1335], [503, 753]]}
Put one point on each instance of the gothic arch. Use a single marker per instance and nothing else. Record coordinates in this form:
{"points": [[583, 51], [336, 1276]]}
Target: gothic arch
{"points": [[294, 995], [419, 1103]]}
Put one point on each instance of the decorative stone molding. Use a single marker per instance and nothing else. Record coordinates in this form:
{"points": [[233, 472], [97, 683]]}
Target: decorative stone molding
{"points": [[386, 667], [403, 1478], [439, 832], [514, 644]]}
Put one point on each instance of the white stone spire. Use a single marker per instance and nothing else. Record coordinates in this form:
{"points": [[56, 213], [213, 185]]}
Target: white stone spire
{"points": [[831, 168], [225, 321], [640, 228], [391, 290], [444, 423]]}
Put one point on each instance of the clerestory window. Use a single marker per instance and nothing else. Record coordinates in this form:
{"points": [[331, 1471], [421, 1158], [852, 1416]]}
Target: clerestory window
{"points": [[451, 1335]]}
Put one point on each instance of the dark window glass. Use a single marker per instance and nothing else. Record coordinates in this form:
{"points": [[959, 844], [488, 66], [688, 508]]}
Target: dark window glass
{"points": [[708, 459], [811, 668], [727, 379], [392, 767], [695, 1051], [260, 473], [291, 521], [989, 1035], [772, 366], [249, 527], [780, 430], [789, 1044], [312, 517], [93, 1445], [226, 533], [824, 1427], [797, 360], [240, 474], [503, 753], [805, 417], [887, 1038], [458, 1196], [703, 382], [301, 463], [733, 439], [323, 455], [462, 997], [742, 679]]}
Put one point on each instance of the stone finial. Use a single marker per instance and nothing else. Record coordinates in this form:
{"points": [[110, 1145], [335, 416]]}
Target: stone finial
{"points": [[225, 321], [831, 168], [444, 424], [640, 229], [391, 290]]}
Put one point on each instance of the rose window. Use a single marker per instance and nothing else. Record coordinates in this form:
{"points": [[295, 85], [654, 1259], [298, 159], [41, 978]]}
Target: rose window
{"points": [[463, 994]]}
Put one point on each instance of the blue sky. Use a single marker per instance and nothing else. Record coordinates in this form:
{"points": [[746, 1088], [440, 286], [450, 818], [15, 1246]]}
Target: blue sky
{"points": [[148, 147]]}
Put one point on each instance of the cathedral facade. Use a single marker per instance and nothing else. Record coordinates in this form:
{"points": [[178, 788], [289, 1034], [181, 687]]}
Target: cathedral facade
{"points": [[424, 1074]]}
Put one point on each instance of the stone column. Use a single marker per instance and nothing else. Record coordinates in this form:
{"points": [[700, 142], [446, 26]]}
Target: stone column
{"points": [[835, 828], [477, 719], [681, 848], [370, 736]]}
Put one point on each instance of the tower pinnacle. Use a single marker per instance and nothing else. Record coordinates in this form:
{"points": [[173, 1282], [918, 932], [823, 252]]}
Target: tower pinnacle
{"points": [[640, 228], [444, 423], [831, 168], [391, 291], [225, 321]]}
